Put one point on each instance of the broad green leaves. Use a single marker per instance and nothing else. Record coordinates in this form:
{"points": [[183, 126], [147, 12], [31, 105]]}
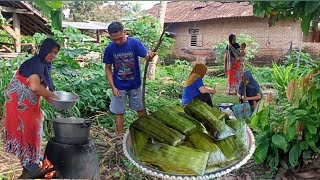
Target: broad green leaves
{"points": [[312, 129], [305, 22], [53, 9], [261, 151], [54, 4], [56, 19], [280, 142], [48, 6], [260, 120], [294, 155], [308, 11], [311, 6], [293, 129]]}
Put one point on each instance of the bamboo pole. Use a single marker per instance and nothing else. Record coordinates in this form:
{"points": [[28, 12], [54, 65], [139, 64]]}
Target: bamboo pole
{"points": [[244, 91]]}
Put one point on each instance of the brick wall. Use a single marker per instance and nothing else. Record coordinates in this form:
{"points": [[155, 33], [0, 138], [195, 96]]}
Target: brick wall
{"points": [[274, 41]]}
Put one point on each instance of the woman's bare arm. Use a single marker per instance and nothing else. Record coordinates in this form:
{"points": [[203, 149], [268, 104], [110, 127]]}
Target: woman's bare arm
{"points": [[204, 89], [36, 87], [254, 98]]}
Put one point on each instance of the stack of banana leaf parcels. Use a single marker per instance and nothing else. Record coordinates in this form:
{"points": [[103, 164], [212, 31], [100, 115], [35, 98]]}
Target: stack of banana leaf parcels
{"points": [[191, 140]]}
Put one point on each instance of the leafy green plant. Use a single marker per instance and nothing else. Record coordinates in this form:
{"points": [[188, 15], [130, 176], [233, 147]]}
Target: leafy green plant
{"points": [[251, 49], [262, 74], [282, 76], [287, 135], [5, 37], [38, 38], [301, 60]]}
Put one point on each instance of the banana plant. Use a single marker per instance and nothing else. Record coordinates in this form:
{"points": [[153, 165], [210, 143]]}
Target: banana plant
{"points": [[53, 9]]}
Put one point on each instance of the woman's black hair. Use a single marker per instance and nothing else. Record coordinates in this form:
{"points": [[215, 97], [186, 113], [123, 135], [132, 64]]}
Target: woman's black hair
{"points": [[230, 38]]}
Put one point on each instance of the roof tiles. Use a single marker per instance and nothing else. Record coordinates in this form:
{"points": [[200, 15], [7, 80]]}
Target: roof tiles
{"points": [[186, 11]]}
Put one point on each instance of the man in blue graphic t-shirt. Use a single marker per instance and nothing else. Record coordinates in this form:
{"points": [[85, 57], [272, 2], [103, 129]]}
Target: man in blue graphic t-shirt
{"points": [[125, 80]]}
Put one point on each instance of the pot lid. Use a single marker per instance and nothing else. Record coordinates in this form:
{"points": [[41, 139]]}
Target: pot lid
{"points": [[73, 120]]}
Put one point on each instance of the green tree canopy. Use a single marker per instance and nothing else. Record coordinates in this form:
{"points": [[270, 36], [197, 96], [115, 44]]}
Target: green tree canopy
{"points": [[148, 29], [307, 11], [100, 10]]}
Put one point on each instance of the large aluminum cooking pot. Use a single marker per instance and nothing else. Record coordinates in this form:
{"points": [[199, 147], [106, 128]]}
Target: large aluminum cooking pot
{"points": [[71, 130], [66, 100]]}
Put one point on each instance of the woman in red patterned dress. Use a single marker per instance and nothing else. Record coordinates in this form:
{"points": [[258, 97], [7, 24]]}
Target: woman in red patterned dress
{"points": [[23, 120], [233, 64]]}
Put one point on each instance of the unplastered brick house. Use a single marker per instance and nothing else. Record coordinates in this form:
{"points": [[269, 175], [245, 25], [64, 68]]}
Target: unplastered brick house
{"points": [[198, 26]]}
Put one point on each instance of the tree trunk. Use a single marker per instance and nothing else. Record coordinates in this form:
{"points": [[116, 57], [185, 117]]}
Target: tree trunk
{"points": [[153, 63]]}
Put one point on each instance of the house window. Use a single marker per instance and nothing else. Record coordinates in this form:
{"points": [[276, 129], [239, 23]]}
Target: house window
{"points": [[195, 38]]}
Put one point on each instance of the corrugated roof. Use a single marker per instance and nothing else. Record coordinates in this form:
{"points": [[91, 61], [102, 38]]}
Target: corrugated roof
{"points": [[186, 11], [90, 25], [29, 23]]}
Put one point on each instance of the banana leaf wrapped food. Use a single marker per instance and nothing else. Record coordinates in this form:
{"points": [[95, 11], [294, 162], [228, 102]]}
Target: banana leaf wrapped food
{"points": [[215, 111], [230, 148], [203, 142], [215, 127], [139, 139], [170, 118], [193, 140], [199, 126], [157, 130], [180, 160], [186, 143], [240, 127], [178, 108]]}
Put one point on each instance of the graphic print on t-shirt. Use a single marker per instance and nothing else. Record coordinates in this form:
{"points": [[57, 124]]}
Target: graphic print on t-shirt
{"points": [[124, 65]]}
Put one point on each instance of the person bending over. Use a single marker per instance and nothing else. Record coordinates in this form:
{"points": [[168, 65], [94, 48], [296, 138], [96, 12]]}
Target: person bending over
{"points": [[194, 87]]}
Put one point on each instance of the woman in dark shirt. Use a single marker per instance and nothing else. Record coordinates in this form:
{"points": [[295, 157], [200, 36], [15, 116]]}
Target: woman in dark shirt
{"points": [[253, 92]]}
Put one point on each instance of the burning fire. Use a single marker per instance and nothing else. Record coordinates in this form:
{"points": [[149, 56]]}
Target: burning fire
{"points": [[46, 164]]}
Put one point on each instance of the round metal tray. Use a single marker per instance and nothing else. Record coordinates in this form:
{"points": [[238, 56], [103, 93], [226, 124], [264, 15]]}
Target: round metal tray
{"points": [[127, 149]]}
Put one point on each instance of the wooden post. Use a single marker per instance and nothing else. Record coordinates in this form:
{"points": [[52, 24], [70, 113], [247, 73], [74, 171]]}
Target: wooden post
{"points": [[16, 28], [98, 36]]}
